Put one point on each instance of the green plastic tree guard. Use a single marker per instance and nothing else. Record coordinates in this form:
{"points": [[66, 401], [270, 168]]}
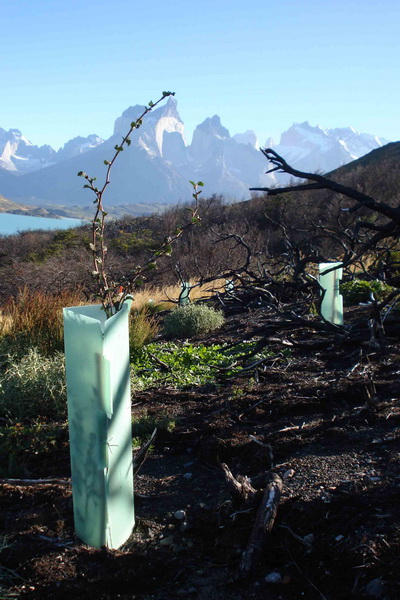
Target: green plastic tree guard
{"points": [[99, 415], [229, 286], [184, 295], [332, 303]]}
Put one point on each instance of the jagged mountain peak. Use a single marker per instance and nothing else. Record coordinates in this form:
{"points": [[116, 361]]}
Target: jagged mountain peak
{"points": [[300, 133], [168, 110], [153, 135], [248, 137], [212, 126], [78, 145]]}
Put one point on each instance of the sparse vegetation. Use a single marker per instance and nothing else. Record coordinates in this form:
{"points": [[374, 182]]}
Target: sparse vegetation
{"points": [[143, 427], [21, 443], [33, 386]]}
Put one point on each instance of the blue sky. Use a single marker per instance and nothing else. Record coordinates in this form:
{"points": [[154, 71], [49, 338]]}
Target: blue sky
{"points": [[71, 67]]}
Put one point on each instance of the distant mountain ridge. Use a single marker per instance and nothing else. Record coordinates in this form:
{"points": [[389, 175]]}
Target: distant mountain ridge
{"points": [[17, 154], [159, 163]]}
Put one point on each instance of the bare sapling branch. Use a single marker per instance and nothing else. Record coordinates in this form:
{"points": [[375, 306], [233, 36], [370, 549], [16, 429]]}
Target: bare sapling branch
{"points": [[111, 293]]}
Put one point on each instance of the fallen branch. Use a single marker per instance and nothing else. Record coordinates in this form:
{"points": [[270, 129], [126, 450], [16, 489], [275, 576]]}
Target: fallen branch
{"points": [[36, 481], [142, 454], [264, 522], [241, 488]]}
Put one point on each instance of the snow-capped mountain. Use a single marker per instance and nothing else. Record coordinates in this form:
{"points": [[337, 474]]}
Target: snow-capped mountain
{"points": [[159, 164], [322, 150], [227, 164], [162, 132], [19, 155], [77, 146]]}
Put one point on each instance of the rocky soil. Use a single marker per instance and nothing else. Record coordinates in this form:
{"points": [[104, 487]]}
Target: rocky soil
{"points": [[326, 418]]}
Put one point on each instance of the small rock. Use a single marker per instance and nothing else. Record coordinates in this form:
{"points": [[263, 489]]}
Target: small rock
{"points": [[185, 526], [188, 476], [289, 473], [168, 541], [375, 588], [339, 538], [273, 578], [309, 538], [180, 515]]}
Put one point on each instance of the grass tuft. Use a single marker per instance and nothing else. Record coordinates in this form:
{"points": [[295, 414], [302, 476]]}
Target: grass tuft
{"points": [[35, 319], [33, 386]]}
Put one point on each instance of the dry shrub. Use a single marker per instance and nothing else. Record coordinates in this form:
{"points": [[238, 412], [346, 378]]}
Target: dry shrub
{"points": [[34, 319], [5, 323], [151, 299], [206, 290], [143, 328]]}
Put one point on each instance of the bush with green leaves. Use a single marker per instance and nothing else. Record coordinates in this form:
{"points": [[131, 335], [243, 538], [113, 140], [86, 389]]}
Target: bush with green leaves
{"points": [[190, 320], [359, 290], [33, 386], [184, 365]]}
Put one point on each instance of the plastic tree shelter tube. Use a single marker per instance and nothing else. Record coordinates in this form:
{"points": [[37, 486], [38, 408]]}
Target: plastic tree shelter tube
{"points": [[332, 302], [99, 415], [184, 298]]}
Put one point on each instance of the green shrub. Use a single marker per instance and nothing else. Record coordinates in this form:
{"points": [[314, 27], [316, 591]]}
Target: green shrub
{"points": [[192, 319], [185, 364], [33, 386], [358, 290]]}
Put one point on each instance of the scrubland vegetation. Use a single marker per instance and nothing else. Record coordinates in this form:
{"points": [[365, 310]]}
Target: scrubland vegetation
{"points": [[250, 354], [268, 247]]}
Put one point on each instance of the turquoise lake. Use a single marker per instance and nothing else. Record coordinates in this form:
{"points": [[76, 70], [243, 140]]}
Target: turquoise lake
{"points": [[10, 223]]}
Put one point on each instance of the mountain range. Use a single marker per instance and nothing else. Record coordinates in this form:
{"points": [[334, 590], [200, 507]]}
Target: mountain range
{"points": [[156, 169]]}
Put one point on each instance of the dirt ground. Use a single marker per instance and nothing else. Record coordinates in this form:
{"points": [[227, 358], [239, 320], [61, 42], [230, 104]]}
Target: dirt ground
{"points": [[331, 416]]}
